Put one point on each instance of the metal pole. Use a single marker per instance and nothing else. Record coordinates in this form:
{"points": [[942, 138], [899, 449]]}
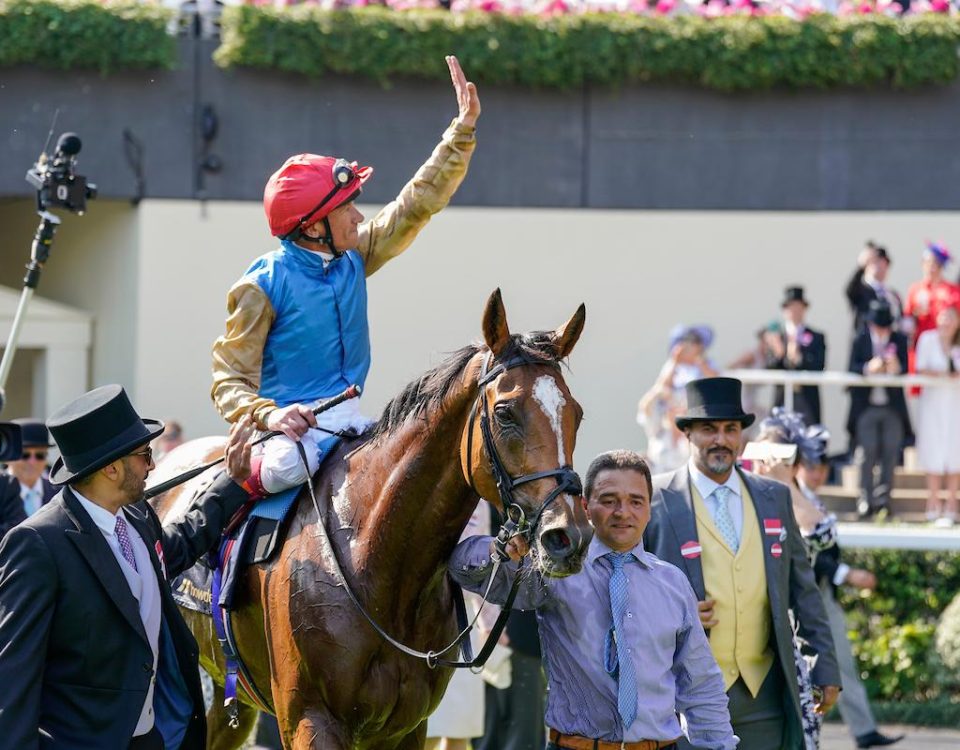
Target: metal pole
{"points": [[39, 253], [14, 337], [788, 396]]}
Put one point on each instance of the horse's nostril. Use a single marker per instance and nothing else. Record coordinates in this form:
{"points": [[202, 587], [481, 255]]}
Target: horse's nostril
{"points": [[557, 542]]}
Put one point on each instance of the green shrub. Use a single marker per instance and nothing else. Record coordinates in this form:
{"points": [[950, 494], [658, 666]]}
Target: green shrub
{"points": [[948, 640], [893, 629], [69, 34], [736, 53]]}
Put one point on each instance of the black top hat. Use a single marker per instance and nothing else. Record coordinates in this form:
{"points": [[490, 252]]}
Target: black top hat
{"points": [[714, 400], [880, 314], [793, 294], [95, 430], [33, 432]]}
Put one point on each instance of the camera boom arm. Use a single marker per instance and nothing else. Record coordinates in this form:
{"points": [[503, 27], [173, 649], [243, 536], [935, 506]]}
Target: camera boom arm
{"points": [[39, 253]]}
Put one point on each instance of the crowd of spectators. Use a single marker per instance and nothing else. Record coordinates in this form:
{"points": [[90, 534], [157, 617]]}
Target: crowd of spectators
{"points": [[892, 335]]}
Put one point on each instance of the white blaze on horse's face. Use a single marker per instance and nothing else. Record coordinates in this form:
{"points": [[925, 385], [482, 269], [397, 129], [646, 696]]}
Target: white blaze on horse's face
{"points": [[548, 396]]}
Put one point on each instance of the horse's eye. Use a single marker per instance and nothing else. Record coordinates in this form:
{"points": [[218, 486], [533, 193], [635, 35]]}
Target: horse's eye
{"points": [[503, 414]]}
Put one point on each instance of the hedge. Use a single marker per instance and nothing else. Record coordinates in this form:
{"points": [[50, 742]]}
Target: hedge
{"points": [[738, 53], [893, 629], [79, 34]]}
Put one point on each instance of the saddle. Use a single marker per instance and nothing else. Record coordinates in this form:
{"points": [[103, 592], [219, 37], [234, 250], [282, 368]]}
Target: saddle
{"points": [[252, 536]]}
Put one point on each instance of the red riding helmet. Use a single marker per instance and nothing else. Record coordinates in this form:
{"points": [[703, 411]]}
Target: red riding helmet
{"points": [[307, 188]]}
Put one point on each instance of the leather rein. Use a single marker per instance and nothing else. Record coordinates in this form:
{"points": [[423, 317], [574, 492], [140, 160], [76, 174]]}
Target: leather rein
{"points": [[516, 523]]}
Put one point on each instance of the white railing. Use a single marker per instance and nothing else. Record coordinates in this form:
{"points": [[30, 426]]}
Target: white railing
{"points": [[834, 378], [897, 536]]}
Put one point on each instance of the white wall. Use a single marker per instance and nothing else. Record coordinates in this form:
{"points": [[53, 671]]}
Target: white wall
{"points": [[155, 279], [92, 266], [638, 272]]}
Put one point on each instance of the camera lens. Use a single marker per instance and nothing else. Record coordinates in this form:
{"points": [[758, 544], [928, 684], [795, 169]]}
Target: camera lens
{"points": [[11, 446]]}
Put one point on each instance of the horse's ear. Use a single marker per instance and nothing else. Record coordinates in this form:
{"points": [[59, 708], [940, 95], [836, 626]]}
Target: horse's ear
{"points": [[495, 330], [566, 336]]}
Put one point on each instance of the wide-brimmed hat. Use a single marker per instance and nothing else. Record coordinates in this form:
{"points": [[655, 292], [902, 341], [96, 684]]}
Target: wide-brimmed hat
{"points": [[880, 314], [794, 294], [33, 433], [714, 400], [681, 332], [95, 430]]}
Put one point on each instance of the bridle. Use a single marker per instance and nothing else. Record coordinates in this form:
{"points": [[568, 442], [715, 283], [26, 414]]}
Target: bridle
{"points": [[568, 481]]}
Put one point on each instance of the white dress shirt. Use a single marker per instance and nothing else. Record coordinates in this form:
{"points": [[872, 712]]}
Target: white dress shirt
{"points": [[32, 496], [705, 486], [143, 585]]}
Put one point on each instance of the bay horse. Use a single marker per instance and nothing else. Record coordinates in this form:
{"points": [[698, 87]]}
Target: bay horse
{"points": [[396, 503]]}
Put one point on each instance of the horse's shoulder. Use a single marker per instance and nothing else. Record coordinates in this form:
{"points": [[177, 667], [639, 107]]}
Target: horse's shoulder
{"points": [[184, 457]]}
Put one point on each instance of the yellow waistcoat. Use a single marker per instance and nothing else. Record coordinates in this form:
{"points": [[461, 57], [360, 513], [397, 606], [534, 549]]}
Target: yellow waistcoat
{"points": [[741, 640]]}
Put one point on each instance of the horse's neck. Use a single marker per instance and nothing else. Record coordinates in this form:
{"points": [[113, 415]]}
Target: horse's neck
{"points": [[412, 499]]}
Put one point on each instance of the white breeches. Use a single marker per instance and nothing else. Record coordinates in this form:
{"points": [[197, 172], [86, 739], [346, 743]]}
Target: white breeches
{"points": [[281, 466]]}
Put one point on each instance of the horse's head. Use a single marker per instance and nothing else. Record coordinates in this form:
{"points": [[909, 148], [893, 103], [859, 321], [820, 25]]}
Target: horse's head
{"points": [[517, 448]]}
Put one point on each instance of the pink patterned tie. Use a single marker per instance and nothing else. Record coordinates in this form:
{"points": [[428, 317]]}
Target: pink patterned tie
{"points": [[124, 538]]}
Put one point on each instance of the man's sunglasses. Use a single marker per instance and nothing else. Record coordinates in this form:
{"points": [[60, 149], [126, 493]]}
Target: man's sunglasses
{"points": [[147, 454], [36, 455]]}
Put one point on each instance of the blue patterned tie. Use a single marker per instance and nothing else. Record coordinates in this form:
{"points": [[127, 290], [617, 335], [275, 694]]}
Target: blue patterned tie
{"points": [[126, 548], [622, 669], [723, 519]]}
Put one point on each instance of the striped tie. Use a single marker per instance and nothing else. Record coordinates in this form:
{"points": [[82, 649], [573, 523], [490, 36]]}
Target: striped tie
{"points": [[126, 548], [623, 668]]}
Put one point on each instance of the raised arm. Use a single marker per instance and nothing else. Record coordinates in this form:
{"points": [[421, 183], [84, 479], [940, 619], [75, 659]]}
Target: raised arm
{"points": [[395, 227]]}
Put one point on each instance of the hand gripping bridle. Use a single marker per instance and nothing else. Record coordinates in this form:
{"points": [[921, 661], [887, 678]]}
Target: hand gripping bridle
{"points": [[568, 481]]}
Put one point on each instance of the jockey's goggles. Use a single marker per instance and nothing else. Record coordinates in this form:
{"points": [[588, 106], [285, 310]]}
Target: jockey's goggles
{"points": [[343, 173]]}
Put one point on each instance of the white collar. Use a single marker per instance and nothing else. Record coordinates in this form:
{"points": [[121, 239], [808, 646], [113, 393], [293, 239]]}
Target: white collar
{"points": [[37, 487], [103, 518], [705, 485]]}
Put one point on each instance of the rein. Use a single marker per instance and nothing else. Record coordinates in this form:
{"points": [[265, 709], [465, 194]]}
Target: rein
{"points": [[515, 524]]}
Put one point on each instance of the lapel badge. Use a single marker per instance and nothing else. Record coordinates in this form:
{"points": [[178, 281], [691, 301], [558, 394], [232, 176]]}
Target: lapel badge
{"points": [[773, 527], [776, 550], [691, 550]]}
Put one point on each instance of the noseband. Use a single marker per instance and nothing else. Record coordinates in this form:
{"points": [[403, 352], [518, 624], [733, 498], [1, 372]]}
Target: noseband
{"points": [[568, 481]]}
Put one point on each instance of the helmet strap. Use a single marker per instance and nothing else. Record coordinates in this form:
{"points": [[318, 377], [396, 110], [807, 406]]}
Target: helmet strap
{"points": [[299, 236]]}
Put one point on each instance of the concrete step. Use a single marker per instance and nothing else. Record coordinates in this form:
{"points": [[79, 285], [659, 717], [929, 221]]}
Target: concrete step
{"points": [[903, 478], [906, 503]]}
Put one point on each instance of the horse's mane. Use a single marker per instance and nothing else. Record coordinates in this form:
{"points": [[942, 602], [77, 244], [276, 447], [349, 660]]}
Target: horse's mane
{"points": [[429, 390]]}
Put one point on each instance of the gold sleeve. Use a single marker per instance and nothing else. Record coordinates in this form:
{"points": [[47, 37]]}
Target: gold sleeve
{"points": [[238, 355], [397, 224]]}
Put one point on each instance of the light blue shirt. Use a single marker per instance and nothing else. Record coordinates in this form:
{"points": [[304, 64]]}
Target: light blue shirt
{"points": [[705, 486], [676, 671]]}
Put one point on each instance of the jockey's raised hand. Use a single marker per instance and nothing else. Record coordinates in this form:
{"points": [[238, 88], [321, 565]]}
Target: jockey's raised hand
{"points": [[293, 421], [467, 98]]}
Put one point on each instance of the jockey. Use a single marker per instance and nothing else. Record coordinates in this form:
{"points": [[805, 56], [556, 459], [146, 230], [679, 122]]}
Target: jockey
{"points": [[296, 329]]}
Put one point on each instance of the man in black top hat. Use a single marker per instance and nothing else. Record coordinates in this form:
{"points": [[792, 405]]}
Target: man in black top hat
{"points": [[869, 283], [36, 490], [93, 651], [792, 345], [878, 421], [734, 535]]}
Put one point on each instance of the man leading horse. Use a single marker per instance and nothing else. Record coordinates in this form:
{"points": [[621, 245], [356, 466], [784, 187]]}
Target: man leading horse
{"points": [[297, 329]]}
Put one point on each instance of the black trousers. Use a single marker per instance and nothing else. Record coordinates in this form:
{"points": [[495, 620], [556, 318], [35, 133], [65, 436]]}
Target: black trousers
{"points": [[152, 740], [514, 716]]}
